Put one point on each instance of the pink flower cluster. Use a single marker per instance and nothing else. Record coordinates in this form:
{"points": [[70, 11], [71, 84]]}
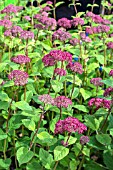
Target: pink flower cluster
{"points": [[27, 18], [84, 37], [45, 21], [97, 18], [11, 9], [62, 101], [46, 99], [70, 125], [108, 91], [5, 23], [84, 140], [21, 59], [64, 22], [60, 71], [26, 35], [99, 102], [56, 55], [74, 41], [96, 81], [111, 73], [75, 67], [77, 21], [110, 45], [20, 77], [14, 31], [61, 35]]}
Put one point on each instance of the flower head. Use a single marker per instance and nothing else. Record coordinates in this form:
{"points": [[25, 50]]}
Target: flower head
{"points": [[108, 91], [111, 73], [99, 102], [46, 99], [61, 35], [84, 140], [62, 101], [20, 77], [60, 71], [64, 22], [21, 59], [26, 35], [77, 21], [6, 23], [96, 81], [70, 124], [74, 41], [27, 18], [75, 67]]}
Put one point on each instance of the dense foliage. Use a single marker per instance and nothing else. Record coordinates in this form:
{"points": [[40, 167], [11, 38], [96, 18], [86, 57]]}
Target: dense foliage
{"points": [[56, 90]]}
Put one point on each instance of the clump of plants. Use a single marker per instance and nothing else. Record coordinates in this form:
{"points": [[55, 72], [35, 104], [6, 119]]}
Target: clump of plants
{"points": [[56, 90]]}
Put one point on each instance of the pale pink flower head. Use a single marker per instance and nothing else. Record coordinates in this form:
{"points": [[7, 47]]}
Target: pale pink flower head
{"points": [[49, 2], [110, 45], [61, 35], [62, 101], [77, 21], [8, 33], [74, 41], [60, 71], [89, 30], [26, 35], [84, 140], [90, 14], [64, 22], [46, 99], [6, 23], [75, 67], [19, 77], [16, 30], [96, 81], [27, 18], [21, 59]]}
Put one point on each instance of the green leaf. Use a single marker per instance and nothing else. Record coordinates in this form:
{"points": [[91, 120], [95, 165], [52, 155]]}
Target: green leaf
{"points": [[81, 108], [4, 105], [60, 152], [2, 135], [92, 122], [58, 3], [23, 105], [9, 84], [73, 164], [85, 93], [86, 151], [75, 92], [34, 165], [30, 124], [56, 85], [2, 66], [4, 164], [29, 95], [92, 67], [108, 82], [94, 166], [108, 159], [103, 139], [46, 158], [4, 96], [24, 155], [100, 59]]}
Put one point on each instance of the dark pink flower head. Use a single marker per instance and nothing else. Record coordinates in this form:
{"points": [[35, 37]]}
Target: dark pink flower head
{"points": [[77, 21], [59, 127], [46, 99], [6, 23], [84, 140], [99, 102], [62, 101], [96, 81], [110, 45], [39, 26], [57, 55], [19, 77], [111, 73], [97, 19], [75, 67], [64, 22], [60, 71], [105, 21], [61, 35], [26, 35], [27, 18], [70, 124], [67, 56], [108, 91], [48, 60], [21, 59], [74, 41], [105, 28]]}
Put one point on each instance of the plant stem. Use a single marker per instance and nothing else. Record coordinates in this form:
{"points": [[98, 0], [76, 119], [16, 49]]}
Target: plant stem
{"points": [[81, 163], [55, 165], [32, 140], [73, 85], [60, 113], [65, 89], [15, 150]]}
